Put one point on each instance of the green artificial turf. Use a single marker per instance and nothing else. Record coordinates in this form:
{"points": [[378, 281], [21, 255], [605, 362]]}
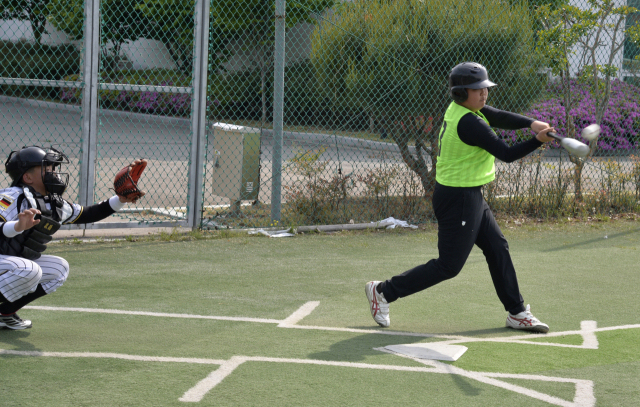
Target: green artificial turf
{"points": [[568, 273]]}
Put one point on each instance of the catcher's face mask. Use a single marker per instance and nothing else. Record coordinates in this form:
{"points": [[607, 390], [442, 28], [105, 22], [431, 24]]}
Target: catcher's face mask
{"points": [[55, 182]]}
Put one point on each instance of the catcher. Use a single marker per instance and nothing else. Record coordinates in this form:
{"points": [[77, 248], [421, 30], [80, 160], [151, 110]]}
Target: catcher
{"points": [[31, 211]]}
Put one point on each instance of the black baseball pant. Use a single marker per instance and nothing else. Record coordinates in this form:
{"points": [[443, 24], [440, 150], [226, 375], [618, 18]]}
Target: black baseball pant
{"points": [[464, 219]]}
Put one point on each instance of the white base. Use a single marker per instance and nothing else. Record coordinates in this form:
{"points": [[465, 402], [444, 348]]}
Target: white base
{"points": [[432, 351]]}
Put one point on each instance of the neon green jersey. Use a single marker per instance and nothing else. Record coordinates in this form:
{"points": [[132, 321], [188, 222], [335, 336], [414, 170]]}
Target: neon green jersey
{"points": [[459, 164]]}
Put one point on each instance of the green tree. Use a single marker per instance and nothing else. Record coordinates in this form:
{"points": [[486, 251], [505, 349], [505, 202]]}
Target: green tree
{"points": [[584, 44], [68, 17], [256, 22], [632, 44], [121, 22], [390, 59], [34, 11], [172, 23]]}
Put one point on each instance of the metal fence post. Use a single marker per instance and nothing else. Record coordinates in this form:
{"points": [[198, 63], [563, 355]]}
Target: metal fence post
{"points": [[278, 108], [89, 102], [199, 106]]}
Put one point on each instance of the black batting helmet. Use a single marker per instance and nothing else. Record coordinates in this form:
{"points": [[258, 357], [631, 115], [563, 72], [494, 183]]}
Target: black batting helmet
{"points": [[26, 158], [467, 75]]}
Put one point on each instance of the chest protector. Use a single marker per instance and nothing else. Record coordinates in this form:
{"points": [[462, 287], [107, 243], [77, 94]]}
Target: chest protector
{"points": [[31, 243]]}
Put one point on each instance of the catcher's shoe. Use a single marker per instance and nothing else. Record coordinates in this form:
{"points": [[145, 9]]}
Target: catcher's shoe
{"points": [[13, 321], [377, 304], [526, 322]]}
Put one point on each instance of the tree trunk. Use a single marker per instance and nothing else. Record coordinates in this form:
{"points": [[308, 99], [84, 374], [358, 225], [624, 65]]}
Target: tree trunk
{"points": [[571, 133], [263, 75], [416, 163], [38, 28], [577, 171]]}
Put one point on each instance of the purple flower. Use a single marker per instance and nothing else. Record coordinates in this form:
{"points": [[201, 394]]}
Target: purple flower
{"points": [[148, 101], [620, 126]]}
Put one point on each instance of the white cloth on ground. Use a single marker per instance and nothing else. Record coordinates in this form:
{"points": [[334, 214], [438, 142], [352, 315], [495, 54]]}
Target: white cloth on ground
{"points": [[396, 222]]}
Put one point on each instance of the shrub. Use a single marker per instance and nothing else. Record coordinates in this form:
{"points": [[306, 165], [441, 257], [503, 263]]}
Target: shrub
{"points": [[36, 61], [240, 98], [392, 59], [237, 93], [71, 95], [320, 194]]}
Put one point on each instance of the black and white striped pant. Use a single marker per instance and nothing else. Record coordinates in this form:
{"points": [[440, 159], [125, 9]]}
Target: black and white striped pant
{"points": [[19, 277]]}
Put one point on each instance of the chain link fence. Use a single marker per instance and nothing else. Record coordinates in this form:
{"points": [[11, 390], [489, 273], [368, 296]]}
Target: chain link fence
{"points": [[107, 82], [33, 67], [261, 113]]}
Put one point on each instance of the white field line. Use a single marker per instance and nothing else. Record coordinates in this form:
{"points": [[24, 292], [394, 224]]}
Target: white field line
{"points": [[154, 314], [371, 331], [122, 356], [589, 338], [583, 397], [300, 314], [587, 331], [584, 388], [197, 392]]}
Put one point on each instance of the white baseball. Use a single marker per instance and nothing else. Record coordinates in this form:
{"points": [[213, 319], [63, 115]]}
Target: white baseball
{"points": [[591, 132]]}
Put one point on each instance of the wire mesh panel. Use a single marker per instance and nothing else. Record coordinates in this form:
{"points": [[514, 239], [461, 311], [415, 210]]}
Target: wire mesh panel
{"points": [[122, 91], [366, 90], [240, 107], [320, 111], [36, 62], [145, 89]]}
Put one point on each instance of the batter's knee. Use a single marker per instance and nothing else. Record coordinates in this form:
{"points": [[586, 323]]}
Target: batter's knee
{"points": [[447, 269]]}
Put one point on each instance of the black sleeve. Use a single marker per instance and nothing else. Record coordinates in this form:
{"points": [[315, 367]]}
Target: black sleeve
{"points": [[505, 120], [474, 131], [2, 222], [95, 213]]}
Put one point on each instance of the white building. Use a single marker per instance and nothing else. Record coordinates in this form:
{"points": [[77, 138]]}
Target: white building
{"points": [[150, 54]]}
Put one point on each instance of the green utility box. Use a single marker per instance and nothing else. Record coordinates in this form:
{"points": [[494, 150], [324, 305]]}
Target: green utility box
{"points": [[236, 169]]}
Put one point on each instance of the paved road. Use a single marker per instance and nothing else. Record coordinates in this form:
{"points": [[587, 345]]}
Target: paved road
{"points": [[166, 143], [134, 136]]}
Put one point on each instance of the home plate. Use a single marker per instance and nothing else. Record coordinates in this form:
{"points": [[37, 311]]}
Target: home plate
{"points": [[434, 351]]}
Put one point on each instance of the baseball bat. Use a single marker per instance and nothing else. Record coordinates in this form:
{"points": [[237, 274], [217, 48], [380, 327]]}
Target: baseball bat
{"points": [[571, 145]]}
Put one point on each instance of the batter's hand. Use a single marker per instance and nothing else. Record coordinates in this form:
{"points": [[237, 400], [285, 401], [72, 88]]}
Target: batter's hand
{"points": [[538, 126], [542, 135], [26, 220]]}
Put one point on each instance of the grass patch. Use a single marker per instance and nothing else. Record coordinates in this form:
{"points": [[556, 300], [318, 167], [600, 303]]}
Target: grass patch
{"points": [[565, 271]]}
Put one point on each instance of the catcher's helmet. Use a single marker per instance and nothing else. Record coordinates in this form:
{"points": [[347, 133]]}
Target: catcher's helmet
{"points": [[22, 160], [467, 75]]}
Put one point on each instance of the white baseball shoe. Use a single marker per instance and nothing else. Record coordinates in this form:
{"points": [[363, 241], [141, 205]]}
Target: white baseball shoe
{"points": [[527, 322], [13, 321], [377, 304]]}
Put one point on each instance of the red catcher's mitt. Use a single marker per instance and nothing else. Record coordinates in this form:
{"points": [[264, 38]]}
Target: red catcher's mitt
{"points": [[126, 181]]}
